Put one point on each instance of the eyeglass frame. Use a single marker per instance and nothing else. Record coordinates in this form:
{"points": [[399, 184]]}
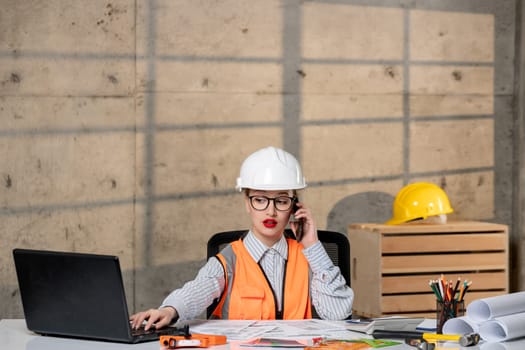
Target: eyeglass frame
{"points": [[293, 200]]}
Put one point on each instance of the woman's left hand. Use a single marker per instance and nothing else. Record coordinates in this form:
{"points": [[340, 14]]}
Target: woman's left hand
{"points": [[309, 236]]}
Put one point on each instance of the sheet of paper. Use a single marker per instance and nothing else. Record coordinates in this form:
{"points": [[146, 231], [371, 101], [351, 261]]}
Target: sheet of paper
{"points": [[232, 329], [280, 343], [277, 329], [294, 328]]}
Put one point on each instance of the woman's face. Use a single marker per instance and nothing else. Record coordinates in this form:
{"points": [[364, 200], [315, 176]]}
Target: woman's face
{"points": [[268, 225]]}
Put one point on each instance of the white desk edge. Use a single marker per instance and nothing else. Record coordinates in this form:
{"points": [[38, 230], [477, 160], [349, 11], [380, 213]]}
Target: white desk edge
{"points": [[14, 335]]}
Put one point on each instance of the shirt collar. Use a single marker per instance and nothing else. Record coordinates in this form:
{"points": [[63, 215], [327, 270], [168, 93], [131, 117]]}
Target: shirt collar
{"points": [[257, 249]]}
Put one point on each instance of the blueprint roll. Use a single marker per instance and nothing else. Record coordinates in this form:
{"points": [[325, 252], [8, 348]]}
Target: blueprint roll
{"points": [[488, 308], [460, 325], [503, 328]]}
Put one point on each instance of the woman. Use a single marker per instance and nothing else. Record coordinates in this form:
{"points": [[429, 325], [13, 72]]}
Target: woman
{"points": [[264, 275]]}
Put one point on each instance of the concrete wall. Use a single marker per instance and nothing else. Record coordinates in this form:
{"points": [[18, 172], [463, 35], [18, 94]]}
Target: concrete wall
{"points": [[124, 123], [519, 136]]}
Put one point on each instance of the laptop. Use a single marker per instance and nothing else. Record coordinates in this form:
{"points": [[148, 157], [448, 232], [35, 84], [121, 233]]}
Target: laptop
{"points": [[77, 295]]}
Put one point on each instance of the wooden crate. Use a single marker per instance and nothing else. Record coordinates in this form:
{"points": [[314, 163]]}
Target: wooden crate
{"points": [[392, 265]]}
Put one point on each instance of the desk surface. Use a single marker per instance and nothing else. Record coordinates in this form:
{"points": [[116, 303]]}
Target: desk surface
{"points": [[15, 336]]}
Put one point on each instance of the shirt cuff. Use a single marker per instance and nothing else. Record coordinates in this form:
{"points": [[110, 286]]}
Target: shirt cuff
{"points": [[177, 304], [317, 257]]}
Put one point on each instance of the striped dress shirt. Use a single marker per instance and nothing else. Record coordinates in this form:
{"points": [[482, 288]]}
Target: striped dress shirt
{"points": [[331, 297]]}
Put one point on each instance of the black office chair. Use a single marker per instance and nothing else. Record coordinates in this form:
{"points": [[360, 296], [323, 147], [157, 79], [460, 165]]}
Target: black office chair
{"points": [[336, 245]]}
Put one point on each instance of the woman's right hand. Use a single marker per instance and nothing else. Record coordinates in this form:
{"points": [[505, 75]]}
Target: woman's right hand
{"points": [[158, 317]]}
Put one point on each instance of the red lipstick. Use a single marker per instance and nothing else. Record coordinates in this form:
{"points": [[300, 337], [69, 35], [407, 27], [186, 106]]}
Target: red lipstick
{"points": [[269, 223]]}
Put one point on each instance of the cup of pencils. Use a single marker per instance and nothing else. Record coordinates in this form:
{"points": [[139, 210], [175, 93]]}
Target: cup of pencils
{"points": [[449, 299]]}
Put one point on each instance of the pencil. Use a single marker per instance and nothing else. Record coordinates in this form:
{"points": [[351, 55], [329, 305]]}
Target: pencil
{"points": [[467, 287], [461, 290], [441, 288], [433, 286], [456, 288]]}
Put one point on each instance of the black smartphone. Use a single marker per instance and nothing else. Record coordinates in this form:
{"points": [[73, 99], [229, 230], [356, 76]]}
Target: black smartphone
{"points": [[299, 231]]}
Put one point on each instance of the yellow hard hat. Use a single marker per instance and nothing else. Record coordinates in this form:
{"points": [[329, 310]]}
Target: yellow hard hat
{"points": [[419, 200]]}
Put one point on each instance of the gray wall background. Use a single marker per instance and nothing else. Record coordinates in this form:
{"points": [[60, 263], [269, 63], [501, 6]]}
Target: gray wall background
{"points": [[124, 122]]}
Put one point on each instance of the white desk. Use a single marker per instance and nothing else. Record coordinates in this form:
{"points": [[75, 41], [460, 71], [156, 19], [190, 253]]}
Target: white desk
{"points": [[15, 336]]}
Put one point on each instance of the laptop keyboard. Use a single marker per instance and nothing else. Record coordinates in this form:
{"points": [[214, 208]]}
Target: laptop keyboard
{"points": [[142, 331], [153, 332]]}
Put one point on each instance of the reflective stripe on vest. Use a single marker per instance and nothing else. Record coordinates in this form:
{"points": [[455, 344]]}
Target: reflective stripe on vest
{"points": [[248, 295]]}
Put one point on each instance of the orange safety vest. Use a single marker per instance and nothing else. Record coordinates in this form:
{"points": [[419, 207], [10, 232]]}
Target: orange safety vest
{"points": [[247, 293]]}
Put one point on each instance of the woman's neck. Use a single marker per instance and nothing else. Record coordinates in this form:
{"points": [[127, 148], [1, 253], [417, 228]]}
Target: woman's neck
{"points": [[267, 241]]}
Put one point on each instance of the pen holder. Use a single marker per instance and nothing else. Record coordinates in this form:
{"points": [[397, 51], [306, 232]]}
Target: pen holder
{"points": [[446, 310]]}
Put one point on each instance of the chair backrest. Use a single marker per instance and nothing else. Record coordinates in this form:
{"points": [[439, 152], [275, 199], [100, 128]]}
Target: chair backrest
{"points": [[336, 245]]}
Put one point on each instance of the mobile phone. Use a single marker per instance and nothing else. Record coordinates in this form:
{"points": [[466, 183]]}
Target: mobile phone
{"points": [[300, 222]]}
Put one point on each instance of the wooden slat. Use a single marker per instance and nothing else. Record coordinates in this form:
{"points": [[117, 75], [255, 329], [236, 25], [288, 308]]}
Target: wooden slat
{"points": [[453, 226], [444, 243], [419, 283], [443, 263], [423, 302]]}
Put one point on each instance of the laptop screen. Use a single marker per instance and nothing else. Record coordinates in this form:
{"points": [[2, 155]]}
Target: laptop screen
{"points": [[72, 294]]}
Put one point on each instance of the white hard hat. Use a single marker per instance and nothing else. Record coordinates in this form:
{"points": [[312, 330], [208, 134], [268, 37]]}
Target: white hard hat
{"points": [[271, 169]]}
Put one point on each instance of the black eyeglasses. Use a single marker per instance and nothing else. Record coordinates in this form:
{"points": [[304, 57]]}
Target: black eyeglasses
{"points": [[281, 203]]}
